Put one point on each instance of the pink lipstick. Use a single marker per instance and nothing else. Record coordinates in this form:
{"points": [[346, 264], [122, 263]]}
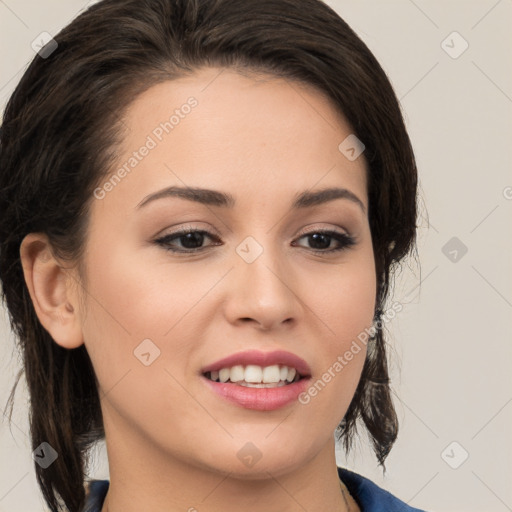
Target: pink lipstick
{"points": [[258, 380]]}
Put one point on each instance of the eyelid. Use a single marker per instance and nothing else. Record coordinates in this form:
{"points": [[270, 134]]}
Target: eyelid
{"points": [[345, 239], [315, 229], [185, 228], [213, 231]]}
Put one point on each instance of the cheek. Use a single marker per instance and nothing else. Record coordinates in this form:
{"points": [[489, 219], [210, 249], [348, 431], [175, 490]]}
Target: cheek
{"points": [[135, 320], [346, 309], [132, 311], [345, 301], [137, 297]]}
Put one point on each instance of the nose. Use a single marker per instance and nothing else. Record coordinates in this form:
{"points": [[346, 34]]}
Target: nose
{"points": [[264, 291]]}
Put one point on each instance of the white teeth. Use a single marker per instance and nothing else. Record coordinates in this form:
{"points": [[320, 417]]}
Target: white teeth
{"points": [[237, 373], [224, 374], [263, 385], [271, 374], [253, 373], [256, 376]]}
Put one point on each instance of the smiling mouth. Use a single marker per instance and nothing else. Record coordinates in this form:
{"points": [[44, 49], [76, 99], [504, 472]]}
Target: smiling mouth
{"points": [[253, 376]]}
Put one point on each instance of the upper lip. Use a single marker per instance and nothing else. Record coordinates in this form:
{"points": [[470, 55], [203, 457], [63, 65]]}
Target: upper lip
{"points": [[256, 357]]}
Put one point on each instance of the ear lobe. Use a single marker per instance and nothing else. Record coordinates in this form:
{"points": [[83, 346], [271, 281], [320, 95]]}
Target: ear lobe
{"points": [[49, 286]]}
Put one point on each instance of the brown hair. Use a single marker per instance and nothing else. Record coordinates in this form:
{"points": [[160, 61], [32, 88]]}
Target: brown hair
{"points": [[58, 139]]}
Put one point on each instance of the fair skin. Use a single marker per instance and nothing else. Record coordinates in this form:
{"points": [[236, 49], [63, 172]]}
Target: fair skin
{"points": [[172, 443]]}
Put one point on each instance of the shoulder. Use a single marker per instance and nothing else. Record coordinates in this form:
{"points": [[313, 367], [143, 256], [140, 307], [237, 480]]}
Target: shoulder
{"points": [[371, 497], [95, 490]]}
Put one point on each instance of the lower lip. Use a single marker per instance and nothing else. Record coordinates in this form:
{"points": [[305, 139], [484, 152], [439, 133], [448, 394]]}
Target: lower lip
{"points": [[259, 399]]}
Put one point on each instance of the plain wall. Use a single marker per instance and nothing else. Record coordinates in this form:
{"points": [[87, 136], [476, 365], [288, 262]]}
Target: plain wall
{"points": [[452, 345]]}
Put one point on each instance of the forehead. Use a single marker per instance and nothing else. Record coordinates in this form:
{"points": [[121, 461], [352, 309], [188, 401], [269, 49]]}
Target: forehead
{"points": [[247, 134]]}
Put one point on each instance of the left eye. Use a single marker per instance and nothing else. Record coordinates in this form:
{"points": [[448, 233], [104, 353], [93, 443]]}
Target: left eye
{"points": [[325, 237], [192, 240]]}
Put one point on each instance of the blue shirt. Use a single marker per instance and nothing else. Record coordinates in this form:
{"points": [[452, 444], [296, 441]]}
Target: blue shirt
{"points": [[369, 496]]}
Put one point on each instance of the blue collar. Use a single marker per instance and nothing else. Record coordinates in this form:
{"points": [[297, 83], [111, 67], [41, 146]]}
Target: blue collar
{"points": [[370, 497]]}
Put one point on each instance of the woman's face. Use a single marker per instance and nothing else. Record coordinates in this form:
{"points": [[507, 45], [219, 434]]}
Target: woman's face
{"points": [[156, 320]]}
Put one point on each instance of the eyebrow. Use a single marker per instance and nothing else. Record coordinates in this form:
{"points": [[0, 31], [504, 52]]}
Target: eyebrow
{"points": [[209, 197]]}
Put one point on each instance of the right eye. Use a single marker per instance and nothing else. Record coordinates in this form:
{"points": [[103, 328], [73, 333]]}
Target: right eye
{"points": [[191, 240]]}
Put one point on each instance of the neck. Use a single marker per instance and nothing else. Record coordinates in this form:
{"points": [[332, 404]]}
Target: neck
{"points": [[144, 478]]}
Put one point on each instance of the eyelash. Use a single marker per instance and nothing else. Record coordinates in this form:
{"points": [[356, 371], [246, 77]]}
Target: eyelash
{"points": [[346, 241]]}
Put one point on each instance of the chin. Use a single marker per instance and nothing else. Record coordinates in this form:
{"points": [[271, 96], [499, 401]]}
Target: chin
{"points": [[259, 460], [261, 469]]}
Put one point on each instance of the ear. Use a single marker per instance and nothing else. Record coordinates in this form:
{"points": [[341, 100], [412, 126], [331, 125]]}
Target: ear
{"points": [[51, 291]]}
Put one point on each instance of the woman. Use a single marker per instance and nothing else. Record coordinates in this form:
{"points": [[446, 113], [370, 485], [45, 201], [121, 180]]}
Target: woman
{"points": [[202, 206]]}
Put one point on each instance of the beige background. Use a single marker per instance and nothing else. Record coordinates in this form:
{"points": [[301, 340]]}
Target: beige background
{"points": [[453, 352]]}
